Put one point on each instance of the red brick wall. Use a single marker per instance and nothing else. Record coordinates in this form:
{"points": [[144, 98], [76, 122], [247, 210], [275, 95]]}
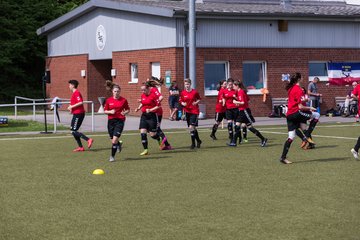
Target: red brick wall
{"points": [[279, 61], [64, 68]]}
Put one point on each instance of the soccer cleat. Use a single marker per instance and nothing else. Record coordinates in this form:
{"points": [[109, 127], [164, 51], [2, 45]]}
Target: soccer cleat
{"points": [[246, 140], [213, 136], [232, 144], [304, 144], [310, 146], [79, 149], [310, 140], [162, 144], [192, 146], [111, 159], [355, 153], [264, 142], [90, 142], [145, 152], [285, 161], [199, 144], [167, 148]]}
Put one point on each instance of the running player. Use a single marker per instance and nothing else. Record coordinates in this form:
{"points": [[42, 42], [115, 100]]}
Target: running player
{"points": [[245, 117], [154, 83], [189, 99], [295, 114], [232, 111], [220, 109], [149, 104], [116, 107], [76, 107]]}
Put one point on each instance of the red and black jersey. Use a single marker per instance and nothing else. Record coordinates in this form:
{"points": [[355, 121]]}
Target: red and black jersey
{"points": [[119, 105], [243, 97], [155, 91], [219, 108], [189, 98], [76, 97], [295, 96], [229, 95], [149, 101]]}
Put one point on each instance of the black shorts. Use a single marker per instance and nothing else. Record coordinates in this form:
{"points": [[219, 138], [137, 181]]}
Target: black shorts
{"points": [[246, 117], [149, 121], [232, 114], [219, 116], [174, 101], [191, 119], [294, 120], [115, 127], [76, 121]]}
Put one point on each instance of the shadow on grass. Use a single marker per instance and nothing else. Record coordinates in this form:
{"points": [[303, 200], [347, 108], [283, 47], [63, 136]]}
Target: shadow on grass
{"points": [[144, 158], [324, 160], [325, 146]]}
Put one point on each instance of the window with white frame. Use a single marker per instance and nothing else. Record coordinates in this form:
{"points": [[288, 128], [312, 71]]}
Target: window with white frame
{"points": [[134, 73], [254, 76], [318, 69], [155, 70], [214, 72]]}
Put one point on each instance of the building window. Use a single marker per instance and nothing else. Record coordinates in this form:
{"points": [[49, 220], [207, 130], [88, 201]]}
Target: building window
{"points": [[254, 76], [214, 72], [134, 73], [318, 69], [155, 70]]}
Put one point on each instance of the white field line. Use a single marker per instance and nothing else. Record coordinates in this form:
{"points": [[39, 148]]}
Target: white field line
{"points": [[265, 130]]}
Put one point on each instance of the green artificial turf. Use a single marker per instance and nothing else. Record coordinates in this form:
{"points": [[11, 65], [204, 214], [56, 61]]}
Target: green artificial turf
{"points": [[28, 126], [215, 192]]}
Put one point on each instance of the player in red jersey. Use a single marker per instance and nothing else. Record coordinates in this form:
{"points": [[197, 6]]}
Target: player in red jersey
{"points": [[232, 111], [76, 107], [149, 104], [245, 117], [355, 95], [296, 114], [154, 83], [220, 109], [116, 107], [189, 99]]}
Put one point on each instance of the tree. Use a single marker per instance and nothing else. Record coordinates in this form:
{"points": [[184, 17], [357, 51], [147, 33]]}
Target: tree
{"points": [[22, 55]]}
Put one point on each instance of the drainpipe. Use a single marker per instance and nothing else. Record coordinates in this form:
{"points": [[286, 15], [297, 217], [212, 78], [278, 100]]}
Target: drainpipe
{"points": [[192, 43], [185, 49]]}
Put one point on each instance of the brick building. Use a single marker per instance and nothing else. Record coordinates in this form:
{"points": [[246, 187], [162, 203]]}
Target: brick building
{"points": [[254, 40]]}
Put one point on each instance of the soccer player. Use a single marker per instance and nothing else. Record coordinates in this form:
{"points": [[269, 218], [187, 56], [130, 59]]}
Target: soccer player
{"points": [[116, 107], [76, 107], [154, 83], [295, 114], [232, 111], [220, 109], [173, 100], [355, 94], [189, 99], [149, 104], [245, 117]]}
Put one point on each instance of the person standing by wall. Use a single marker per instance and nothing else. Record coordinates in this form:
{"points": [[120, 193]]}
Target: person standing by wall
{"points": [[116, 107], [76, 108], [173, 100], [220, 109], [314, 94], [189, 99]]}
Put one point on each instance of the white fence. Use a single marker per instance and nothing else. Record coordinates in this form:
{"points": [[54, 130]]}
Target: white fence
{"points": [[35, 102]]}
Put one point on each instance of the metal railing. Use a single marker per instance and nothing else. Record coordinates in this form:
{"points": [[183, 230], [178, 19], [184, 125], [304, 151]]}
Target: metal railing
{"points": [[34, 104]]}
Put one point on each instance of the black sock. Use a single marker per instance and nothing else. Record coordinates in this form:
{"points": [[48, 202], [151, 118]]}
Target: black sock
{"points": [[197, 136], [300, 134], [214, 129], [287, 145], [77, 138], [237, 134], [311, 127], [244, 132], [257, 133], [192, 134], [156, 137], [80, 135], [162, 135], [357, 146], [230, 129], [114, 149], [144, 140]]}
